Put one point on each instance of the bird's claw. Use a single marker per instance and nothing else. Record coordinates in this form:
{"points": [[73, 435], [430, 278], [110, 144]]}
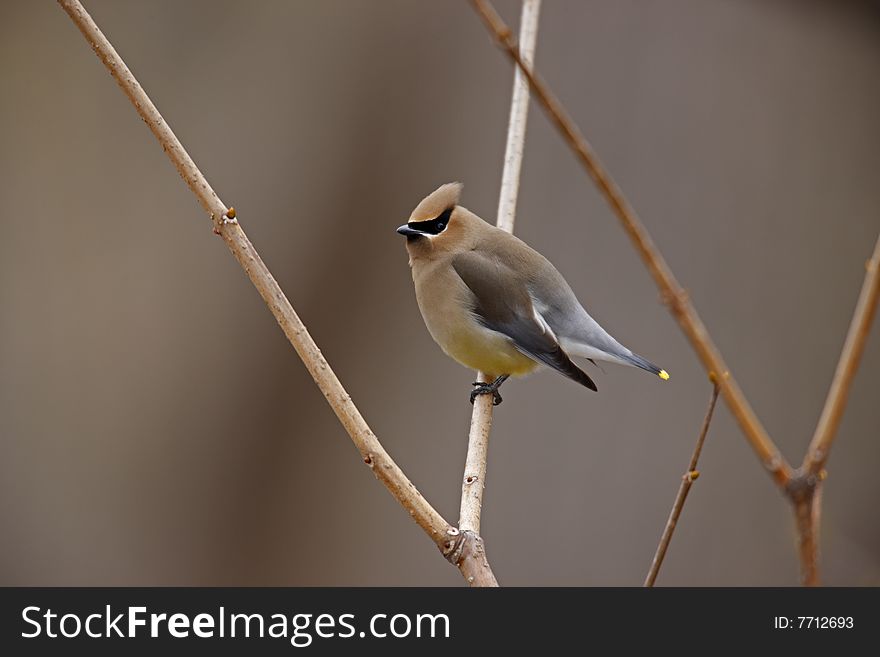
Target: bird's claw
{"points": [[481, 388]]}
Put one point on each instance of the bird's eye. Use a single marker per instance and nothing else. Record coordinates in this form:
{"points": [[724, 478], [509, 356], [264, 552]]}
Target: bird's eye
{"points": [[441, 225]]}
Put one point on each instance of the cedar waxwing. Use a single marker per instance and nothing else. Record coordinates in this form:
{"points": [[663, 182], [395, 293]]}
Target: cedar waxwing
{"points": [[496, 305]]}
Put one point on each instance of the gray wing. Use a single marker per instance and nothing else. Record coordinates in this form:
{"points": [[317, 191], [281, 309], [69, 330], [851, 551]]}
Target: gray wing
{"points": [[503, 304], [556, 302]]}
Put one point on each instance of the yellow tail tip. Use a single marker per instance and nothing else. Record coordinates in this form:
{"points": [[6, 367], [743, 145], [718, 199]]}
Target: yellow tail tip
{"points": [[663, 375]]}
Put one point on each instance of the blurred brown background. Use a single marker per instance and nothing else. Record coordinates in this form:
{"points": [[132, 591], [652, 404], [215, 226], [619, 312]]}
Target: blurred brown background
{"points": [[157, 428]]}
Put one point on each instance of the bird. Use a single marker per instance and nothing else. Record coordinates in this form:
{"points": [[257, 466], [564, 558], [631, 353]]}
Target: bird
{"points": [[494, 304]]}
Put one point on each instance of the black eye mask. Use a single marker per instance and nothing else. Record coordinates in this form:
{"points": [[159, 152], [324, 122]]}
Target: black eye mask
{"points": [[432, 226]]}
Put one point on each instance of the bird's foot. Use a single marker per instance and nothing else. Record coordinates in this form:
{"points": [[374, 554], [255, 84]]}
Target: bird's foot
{"points": [[481, 388], [486, 389]]}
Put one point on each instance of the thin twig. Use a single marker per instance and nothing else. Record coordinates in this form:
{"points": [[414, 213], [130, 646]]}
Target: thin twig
{"points": [[452, 543], [481, 418], [850, 356], [671, 292], [687, 480]]}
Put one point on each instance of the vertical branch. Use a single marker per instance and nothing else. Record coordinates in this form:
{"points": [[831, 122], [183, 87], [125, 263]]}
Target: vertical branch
{"points": [[481, 417], [805, 494], [687, 480], [519, 114], [475, 463]]}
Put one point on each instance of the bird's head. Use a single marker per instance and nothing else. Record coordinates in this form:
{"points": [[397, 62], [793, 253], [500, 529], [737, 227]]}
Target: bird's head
{"points": [[436, 222]]}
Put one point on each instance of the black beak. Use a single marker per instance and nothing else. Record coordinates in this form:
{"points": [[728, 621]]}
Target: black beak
{"points": [[409, 232]]}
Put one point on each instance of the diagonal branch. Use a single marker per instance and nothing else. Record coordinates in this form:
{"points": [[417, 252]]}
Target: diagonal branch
{"points": [[829, 421], [466, 554], [687, 480], [481, 417], [805, 488], [672, 293]]}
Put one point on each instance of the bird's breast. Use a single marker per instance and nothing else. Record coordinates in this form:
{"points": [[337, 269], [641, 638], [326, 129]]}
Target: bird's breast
{"points": [[445, 303]]}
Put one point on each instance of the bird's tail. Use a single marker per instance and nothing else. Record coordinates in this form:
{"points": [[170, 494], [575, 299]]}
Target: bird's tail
{"points": [[589, 340], [642, 363]]}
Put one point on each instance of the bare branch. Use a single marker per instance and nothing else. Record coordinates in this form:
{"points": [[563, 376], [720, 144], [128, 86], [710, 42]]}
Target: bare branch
{"points": [[829, 421], [225, 224], [481, 417], [805, 488], [687, 480], [469, 555], [475, 463], [805, 493], [519, 114], [672, 293]]}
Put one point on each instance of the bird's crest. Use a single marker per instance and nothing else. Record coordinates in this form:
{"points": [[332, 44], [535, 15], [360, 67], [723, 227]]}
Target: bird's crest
{"points": [[444, 197]]}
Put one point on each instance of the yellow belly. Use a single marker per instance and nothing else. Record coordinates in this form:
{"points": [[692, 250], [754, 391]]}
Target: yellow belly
{"points": [[444, 301], [489, 352]]}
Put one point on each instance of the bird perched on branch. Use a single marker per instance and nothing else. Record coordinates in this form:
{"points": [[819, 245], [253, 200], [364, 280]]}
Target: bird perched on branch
{"points": [[496, 305]]}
